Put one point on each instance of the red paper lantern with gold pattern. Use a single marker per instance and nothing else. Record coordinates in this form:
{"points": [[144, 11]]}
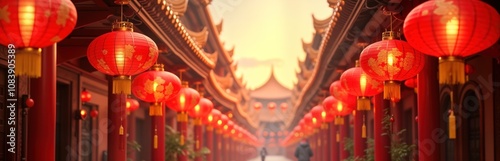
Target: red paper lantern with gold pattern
{"points": [[338, 91], [185, 100], [391, 61], [202, 109], [122, 53], [156, 86], [29, 25], [452, 30], [358, 83], [316, 112]]}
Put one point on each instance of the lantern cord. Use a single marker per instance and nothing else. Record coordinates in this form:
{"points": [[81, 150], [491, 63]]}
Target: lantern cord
{"points": [[391, 20]]}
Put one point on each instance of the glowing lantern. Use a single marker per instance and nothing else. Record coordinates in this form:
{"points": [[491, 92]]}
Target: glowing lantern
{"points": [[358, 83], [283, 106], [30, 25], [337, 91], [271, 106], [257, 106], [156, 86], [452, 30], [85, 96], [185, 100], [94, 113], [212, 118], [203, 108], [391, 61], [316, 112], [122, 53], [337, 108], [131, 104], [223, 119]]}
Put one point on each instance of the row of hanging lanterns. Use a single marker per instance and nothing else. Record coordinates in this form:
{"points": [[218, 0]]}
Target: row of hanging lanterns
{"points": [[270, 106]]}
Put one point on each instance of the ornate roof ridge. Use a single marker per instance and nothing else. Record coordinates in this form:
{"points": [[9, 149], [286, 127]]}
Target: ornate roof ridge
{"points": [[321, 25]]}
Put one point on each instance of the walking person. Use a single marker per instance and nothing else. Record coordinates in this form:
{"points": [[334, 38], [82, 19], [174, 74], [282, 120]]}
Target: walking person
{"points": [[303, 151], [263, 153]]}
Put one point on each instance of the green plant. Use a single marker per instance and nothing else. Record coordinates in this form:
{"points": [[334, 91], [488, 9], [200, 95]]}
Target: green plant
{"points": [[399, 150], [174, 148], [132, 146], [369, 151]]}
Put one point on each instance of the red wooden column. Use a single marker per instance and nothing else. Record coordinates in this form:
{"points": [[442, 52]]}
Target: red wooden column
{"points": [[131, 125], [344, 134], [334, 143], [209, 132], [314, 147], [158, 136], [42, 116], [182, 119], [225, 147], [319, 147], [325, 142], [218, 144], [381, 141], [428, 112], [198, 139], [117, 140], [359, 141]]}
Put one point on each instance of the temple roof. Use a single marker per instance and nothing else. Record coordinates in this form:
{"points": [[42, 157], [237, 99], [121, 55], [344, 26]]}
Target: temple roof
{"points": [[178, 6], [272, 89], [321, 25]]}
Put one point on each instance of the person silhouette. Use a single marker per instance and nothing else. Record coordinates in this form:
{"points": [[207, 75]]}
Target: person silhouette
{"points": [[303, 151], [263, 153]]}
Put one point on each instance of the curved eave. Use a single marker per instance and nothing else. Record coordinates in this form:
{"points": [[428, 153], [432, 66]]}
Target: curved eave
{"points": [[219, 26], [178, 6], [199, 37], [215, 33], [321, 25], [328, 45], [231, 102], [168, 27]]}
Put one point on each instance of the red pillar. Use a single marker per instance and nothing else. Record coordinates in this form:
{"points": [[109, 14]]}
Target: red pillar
{"points": [[344, 134], [218, 144], [158, 139], [131, 133], [42, 117], [381, 141], [326, 142], [182, 119], [359, 141], [428, 112], [209, 132], [117, 140], [225, 147], [334, 146], [312, 142], [198, 139]]}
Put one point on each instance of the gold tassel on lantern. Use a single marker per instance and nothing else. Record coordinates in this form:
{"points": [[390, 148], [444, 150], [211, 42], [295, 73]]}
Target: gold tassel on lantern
{"points": [[121, 131], [338, 137], [451, 70], [122, 84], [29, 62], [182, 117], [181, 141], [155, 140], [155, 109], [452, 126], [363, 104], [392, 91]]}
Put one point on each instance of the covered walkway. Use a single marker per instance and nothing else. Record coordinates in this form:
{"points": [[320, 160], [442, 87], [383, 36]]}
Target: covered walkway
{"points": [[272, 158]]}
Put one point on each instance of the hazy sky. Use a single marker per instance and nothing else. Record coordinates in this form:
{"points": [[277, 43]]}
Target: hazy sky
{"points": [[267, 32]]}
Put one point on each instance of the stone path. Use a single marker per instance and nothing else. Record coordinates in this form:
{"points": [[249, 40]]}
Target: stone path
{"points": [[272, 158]]}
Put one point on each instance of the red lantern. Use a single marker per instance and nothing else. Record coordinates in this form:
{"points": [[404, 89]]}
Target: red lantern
{"points": [[358, 83], [82, 114], [316, 112], [257, 106], [338, 91], [185, 100], [469, 69], [131, 104], [203, 108], [271, 106], [212, 118], [411, 83], [29, 25], [332, 105], [222, 121], [30, 102], [283, 106], [452, 30], [93, 113], [156, 86], [391, 61], [122, 53], [85, 95]]}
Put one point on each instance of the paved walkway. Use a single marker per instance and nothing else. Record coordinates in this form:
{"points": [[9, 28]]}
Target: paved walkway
{"points": [[272, 158]]}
